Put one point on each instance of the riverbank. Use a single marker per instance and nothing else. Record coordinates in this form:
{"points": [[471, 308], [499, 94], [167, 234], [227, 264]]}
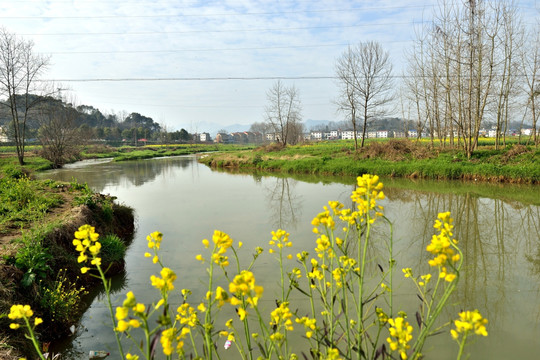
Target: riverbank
{"points": [[39, 264], [394, 158], [34, 162]]}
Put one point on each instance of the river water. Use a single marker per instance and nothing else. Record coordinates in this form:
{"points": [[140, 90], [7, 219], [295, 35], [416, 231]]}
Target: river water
{"points": [[498, 228]]}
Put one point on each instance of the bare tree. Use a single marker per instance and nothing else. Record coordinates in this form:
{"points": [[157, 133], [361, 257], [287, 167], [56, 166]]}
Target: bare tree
{"points": [[465, 65], [59, 134], [20, 69], [531, 86], [284, 112], [364, 74], [261, 127]]}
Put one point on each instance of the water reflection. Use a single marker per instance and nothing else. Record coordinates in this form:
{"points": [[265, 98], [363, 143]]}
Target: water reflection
{"points": [[499, 236], [128, 173], [285, 205]]}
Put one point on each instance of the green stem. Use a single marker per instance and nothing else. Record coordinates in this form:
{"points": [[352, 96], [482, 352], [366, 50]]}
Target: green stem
{"points": [[462, 346], [362, 253], [32, 337], [208, 313], [107, 286]]}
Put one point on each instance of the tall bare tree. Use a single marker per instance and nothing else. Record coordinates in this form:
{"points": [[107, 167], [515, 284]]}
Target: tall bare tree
{"points": [[531, 85], [284, 112], [364, 75], [20, 69], [465, 63]]}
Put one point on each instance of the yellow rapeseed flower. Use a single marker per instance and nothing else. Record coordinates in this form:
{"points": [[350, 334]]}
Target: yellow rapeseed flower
{"points": [[154, 240], [281, 316], [165, 283], [400, 335], [469, 321], [86, 239], [166, 340]]}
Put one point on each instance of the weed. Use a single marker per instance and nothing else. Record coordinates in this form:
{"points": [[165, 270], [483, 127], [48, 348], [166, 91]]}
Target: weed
{"points": [[62, 299], [32, 257]]}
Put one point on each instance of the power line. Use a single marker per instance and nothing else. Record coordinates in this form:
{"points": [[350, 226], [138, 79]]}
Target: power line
{"points": [[215, 14], [197, 50], [228, 30], [243, 78]]}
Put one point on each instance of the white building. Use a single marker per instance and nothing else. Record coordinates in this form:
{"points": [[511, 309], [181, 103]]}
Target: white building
{"points": [[383, 134], [204, 137], [3, 135], [347, 135], [316, 135], [413, 133]]}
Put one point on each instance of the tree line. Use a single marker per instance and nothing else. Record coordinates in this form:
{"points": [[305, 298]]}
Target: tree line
{"points": [[475, 62]]}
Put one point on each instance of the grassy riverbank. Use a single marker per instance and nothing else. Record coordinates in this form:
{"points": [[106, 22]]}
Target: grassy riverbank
{"points": [[38, 265], [34, 162], [394, 158]]}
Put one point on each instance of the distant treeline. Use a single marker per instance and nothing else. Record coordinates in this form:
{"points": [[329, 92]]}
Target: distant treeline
{"points": [[113, 127]]}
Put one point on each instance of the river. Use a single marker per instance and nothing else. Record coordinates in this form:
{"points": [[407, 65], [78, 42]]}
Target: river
{"points": [[498, 227]]}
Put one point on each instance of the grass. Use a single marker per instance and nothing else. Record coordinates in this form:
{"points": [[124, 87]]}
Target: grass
{"points": [[127, 153], [393, 158], [23, 201]]}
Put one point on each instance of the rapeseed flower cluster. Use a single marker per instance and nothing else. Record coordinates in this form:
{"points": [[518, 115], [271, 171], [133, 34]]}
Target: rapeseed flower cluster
{"points": [[281, 316], [469, 321], [444, 247], [86, 242], [154, 243], [243, 286], [366, 194], [317, 271], [280, 239], [187, 315], [400, 335], [309, 324], [122, 313], [165, 282], [173, 335], [222, 242], [22, 312]]}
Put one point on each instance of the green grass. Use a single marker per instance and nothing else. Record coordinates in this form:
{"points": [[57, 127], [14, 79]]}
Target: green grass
{"points": [[113, 249], [23, 201], [515, 163]]}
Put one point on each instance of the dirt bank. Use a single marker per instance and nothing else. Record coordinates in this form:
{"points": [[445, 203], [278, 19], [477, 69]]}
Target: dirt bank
{"points": [[56, 236]]}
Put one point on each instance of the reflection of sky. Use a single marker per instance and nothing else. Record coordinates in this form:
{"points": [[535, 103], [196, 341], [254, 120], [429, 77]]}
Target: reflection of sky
{"points": [[187, 201]]}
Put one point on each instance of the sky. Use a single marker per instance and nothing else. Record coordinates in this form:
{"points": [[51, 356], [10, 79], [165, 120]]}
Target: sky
{"points": [[190, 63]]}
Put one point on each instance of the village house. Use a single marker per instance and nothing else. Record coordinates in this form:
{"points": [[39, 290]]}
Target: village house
{"points": [[204, 137], [3, 135]]}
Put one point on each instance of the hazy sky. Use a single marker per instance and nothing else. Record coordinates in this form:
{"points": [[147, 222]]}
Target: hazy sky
{"points": [[186, 63]]}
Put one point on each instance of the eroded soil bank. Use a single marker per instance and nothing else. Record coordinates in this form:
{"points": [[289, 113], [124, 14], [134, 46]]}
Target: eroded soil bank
{"points": [[56, 233]]}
